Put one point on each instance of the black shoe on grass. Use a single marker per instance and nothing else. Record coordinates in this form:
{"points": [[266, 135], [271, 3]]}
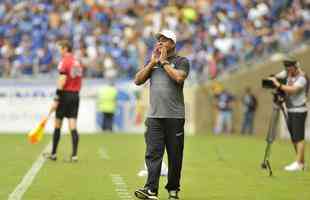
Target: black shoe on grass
{"points": [[173, 195], [49, 156], [144, 193]]}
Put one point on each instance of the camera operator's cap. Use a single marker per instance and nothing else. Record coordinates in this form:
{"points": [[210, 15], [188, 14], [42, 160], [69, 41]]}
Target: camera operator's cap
{"points": [[290, 61], [167, 34]]}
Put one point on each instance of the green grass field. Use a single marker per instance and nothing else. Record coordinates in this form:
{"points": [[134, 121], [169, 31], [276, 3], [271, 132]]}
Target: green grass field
{"points": [[215, 168]]}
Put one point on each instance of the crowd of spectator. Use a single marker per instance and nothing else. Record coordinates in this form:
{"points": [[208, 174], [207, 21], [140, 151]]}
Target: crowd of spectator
{"points": [[113, 37]]}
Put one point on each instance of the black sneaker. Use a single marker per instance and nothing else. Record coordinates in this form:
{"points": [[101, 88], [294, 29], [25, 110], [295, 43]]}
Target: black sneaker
{"points": [[173, 194], [49, 156], [144, 193]]}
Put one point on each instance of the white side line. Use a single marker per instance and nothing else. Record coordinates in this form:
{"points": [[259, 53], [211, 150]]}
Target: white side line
{"points": [[103, 153], [22, 187], [121, 187]]}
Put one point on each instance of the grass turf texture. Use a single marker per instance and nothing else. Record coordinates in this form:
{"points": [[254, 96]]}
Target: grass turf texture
{"points": [[221, 168]]}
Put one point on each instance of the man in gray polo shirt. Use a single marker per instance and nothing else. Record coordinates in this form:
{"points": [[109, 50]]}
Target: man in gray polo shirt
{"points": [[165, 123]]}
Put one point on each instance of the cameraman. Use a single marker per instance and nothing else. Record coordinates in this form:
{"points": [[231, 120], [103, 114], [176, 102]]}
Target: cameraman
{"points": [[295, 101]]}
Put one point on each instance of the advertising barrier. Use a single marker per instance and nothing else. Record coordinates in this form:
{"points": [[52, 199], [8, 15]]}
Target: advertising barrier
{"points": [[22, 107], [23, 104]]}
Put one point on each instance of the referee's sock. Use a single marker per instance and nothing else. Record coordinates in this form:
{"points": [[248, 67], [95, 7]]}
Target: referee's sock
{"points": [[75, 142], [56, 138]]}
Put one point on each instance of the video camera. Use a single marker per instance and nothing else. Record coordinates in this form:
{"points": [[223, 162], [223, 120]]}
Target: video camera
{"points": [[268, 84]]}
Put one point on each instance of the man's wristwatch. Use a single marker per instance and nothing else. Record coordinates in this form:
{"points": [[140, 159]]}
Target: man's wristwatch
{"points": [[165, 62]]}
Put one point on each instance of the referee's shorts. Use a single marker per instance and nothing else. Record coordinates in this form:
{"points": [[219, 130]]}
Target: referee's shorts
{"points": [[296, 125], [68, 105]]}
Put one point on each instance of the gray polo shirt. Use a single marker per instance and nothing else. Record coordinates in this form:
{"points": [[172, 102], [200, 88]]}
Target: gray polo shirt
{"points": [[297, 100], [166, 95]]}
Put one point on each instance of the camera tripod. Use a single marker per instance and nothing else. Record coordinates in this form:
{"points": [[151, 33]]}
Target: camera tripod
{"points": [[278, 100]]}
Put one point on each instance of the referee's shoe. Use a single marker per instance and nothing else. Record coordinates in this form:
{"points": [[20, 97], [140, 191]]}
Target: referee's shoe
{"points": [[49, 156], [145, 193]]}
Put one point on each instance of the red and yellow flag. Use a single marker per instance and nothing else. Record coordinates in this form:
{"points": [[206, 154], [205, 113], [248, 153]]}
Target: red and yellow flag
{"points": [[36, 134]]}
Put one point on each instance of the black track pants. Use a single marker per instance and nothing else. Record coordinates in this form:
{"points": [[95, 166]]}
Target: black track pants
{"points": [[164, 133]]}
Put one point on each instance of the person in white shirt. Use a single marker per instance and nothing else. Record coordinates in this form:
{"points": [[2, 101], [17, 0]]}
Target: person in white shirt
{"points": [[163, 171], [295, 101]]}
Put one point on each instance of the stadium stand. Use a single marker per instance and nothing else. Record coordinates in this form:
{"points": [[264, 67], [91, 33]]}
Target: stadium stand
{"points": [[112, 37]]}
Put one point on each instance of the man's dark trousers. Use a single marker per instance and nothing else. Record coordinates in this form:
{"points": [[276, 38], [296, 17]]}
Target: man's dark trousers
{"points": [[161, 133]]}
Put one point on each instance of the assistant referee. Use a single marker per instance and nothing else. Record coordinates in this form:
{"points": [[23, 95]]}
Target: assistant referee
{"points": [[66, 102]]}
